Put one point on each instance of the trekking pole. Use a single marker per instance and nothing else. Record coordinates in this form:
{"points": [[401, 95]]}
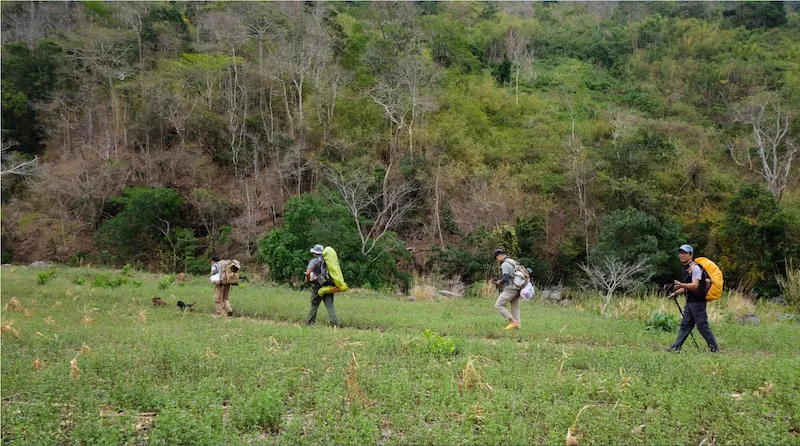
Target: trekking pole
{"points": [[690, 331]]}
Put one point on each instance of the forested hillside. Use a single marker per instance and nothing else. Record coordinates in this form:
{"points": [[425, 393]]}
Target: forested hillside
{"points": [[415, 137]]}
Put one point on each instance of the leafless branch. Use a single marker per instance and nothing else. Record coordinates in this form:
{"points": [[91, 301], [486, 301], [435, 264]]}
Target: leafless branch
{"points": [[610, 274], [771, 127]]}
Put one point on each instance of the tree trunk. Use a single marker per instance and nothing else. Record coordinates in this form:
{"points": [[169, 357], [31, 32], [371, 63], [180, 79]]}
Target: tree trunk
{"points": [[436, 202]]}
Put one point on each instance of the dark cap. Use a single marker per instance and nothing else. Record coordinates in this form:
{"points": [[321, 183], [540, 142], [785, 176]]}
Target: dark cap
{"points": [[498, 251]]}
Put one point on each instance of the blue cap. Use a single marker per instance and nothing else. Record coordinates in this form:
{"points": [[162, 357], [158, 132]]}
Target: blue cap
{"points": [[686, 248], [317, 249]]}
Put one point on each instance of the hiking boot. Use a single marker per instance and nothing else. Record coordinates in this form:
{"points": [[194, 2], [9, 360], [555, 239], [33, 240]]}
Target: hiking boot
{"points": [[672, 349], [512, 326], [714, 349]]}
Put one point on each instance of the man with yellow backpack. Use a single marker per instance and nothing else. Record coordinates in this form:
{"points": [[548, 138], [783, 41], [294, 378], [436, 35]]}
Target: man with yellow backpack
{"points": [[698, 287]]}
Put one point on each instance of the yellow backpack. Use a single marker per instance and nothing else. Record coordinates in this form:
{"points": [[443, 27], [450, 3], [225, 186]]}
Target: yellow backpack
{"points": [[715, 274]]}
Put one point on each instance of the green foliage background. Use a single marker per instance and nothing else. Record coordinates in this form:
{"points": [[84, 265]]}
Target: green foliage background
{"points": [[578, 125]]}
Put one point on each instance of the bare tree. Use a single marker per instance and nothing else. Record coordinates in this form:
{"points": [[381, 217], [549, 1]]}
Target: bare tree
{"points": [[520, 56], [105, 52], [13, 164], [610, 274], [776, 150], [582, 174], [133, 15], [362, 198]]}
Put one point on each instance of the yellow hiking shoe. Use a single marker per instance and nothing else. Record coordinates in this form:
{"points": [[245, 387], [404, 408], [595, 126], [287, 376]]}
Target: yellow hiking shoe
{"points": [[512, 326]]}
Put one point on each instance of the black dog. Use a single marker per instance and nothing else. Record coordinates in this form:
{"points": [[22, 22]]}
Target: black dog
{"points": [[185, 306]]}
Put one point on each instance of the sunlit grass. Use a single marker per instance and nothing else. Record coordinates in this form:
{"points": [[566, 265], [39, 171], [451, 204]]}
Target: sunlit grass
{"points": [[102, 365]]}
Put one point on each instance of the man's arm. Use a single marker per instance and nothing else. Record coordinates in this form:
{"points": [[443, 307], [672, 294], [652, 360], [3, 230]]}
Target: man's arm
{"points": [[506, 274], [681, 287]]}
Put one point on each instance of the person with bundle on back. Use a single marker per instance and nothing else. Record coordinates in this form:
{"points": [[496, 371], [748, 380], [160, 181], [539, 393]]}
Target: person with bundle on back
{"points": [[696, 285], [223, 275], [318, 274], [515, 277]]}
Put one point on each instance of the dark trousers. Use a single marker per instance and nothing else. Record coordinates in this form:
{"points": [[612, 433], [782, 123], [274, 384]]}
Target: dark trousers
{"points": [[694, 313], [316, 300]]}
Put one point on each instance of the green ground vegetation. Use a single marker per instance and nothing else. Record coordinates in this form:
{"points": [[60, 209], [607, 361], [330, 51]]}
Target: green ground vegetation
{"points": [[101, 365]]}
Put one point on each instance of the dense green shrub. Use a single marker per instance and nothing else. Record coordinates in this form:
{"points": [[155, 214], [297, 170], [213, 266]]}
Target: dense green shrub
{"points": [[663, 321], [44, 277], [311, 219], [757, 236], [263, 411], [631, 234], [178, 426]]}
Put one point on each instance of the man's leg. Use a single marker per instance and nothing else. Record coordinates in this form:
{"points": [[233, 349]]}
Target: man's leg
{"points": [[328, 298], [515, 308], [502, 300], [701, 319], [315, 300], [687, 323], [218, 294], [225, 301]]}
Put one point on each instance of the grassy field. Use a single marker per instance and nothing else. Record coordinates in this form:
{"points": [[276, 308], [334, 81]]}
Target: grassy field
{"points": [[87, 364]]}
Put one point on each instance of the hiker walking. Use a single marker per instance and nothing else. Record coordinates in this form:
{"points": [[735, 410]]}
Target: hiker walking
{"points": [[509, 293], [221, 292], [694, 312], [314, 274]]}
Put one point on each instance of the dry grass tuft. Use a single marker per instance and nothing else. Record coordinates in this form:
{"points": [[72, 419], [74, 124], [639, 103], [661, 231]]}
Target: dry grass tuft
{"points": [[353, 388], [477, 413], [471, 378], [87, 315], [13, 304], [625, 381], [50, 321], [790, 285], [73, 368], [57, 303], [210, 353], [488, 289], [572, 432], [764, 390], [735, 303], [85, 348], [37, 364], [562, 360], [141, 318], [8, 327], [423, 288], [26, 312]]}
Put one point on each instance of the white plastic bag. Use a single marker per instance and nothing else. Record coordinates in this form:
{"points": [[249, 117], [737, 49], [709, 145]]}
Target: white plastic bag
{"points": [[214, 279], [527, 291]]}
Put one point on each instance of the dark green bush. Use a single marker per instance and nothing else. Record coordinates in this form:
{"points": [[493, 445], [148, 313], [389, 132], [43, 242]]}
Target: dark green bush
{"points": [[44, 277], [312, 219], [663, 321], [262, 411]]}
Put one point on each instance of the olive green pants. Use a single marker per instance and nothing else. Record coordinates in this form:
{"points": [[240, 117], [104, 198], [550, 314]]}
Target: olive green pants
{"points": [[315, 301]]}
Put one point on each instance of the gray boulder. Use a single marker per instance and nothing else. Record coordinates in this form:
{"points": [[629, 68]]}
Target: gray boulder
{"points": [[40, 264], [749, 319], [565, 302], [545, 294], [411, 298], [555, 295], [778, 300]]}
